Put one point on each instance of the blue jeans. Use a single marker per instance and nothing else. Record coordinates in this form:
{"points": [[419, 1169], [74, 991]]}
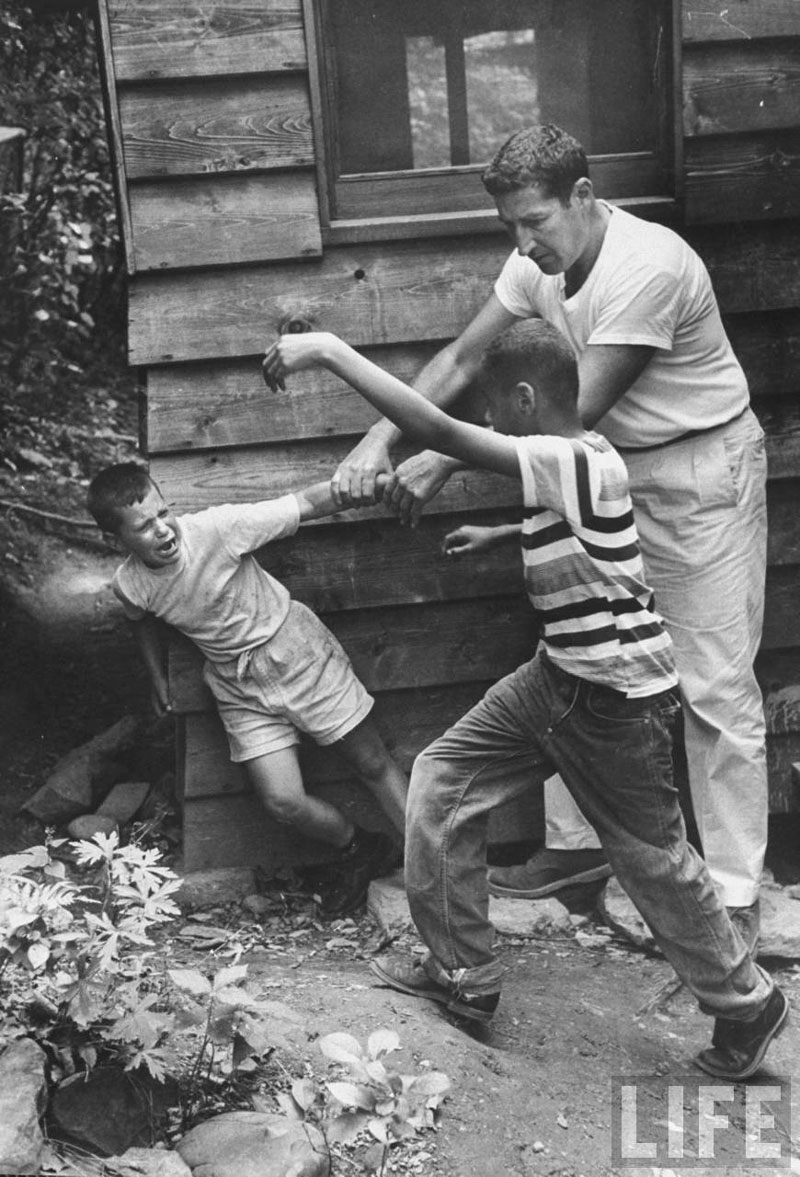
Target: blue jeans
{"points": [[614, 754]]}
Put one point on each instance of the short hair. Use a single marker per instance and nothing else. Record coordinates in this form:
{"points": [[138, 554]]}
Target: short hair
{"points": [[543, 155], [536, 352], [115, 488]]}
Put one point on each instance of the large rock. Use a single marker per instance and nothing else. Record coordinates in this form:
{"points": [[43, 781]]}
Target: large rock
{"points": [[84, 775], [254, 1144], [22, 1090], [148, 1162], [109, 1111], [387, 903]]}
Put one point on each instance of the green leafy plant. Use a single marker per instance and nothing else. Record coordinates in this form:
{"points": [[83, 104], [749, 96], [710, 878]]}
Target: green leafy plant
{"points": [[62, 249], [74, 957], [237, 1028], [366, 1095]]}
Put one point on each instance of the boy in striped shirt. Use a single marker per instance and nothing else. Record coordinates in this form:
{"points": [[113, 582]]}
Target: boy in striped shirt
{"points": [[596, 703]]}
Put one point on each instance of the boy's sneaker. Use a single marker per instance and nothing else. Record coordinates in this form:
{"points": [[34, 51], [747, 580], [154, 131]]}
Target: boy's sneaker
{"points": [[737, 1048], [548, 872], [411, 976], [369, 855]]}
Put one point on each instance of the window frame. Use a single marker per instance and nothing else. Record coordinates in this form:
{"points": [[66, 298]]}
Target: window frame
{"points": [[377, 205]]}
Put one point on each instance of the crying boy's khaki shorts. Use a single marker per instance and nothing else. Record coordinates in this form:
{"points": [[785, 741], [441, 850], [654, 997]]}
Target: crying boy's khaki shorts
{"points": [[301, 680]]}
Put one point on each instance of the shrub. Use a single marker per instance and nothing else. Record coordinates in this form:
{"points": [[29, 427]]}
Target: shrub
{"points": [[63, 258]]}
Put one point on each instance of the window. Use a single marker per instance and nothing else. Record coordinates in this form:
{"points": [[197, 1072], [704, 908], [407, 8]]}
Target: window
{"points": [[420, 94]]}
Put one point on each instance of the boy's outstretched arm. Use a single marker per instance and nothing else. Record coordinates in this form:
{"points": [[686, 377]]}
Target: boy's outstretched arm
{"points": [[319, 500], [409, 410]]}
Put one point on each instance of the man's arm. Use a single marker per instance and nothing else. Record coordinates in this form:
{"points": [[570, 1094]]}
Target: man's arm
{"points": [[147, 636], [606, 371], [412, 413], [441, 381]]}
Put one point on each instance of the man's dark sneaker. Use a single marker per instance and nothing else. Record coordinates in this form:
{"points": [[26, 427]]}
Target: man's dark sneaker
{"points": [[547, 872], [747, 921], [737, 1048], [369, 855], [411, 976]]}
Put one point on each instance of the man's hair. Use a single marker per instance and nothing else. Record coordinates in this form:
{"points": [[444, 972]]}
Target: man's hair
{"points": [[115, 488], [543, 155], [538, 353]]}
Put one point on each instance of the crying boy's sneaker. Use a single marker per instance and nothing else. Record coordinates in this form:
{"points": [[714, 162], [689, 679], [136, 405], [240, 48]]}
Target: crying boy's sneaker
{"points": [[411, 976], [369, 855]]}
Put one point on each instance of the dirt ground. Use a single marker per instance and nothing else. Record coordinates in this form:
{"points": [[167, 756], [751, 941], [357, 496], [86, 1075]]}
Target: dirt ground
{"points": [[531, 1095]]}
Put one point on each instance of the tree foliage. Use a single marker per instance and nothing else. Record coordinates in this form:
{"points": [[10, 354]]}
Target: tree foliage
{"points": [[61, 257]]}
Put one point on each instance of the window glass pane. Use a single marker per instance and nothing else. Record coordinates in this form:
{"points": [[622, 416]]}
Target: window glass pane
{"points": [[439, 83], [502, 63]]}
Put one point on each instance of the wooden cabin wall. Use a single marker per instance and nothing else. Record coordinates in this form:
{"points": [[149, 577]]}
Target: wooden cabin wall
{"points": [[210, 107]]}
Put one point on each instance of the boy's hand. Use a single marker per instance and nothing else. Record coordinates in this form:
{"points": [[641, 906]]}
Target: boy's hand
{"points": [[159, 698], [468, 540], [292, 353]]}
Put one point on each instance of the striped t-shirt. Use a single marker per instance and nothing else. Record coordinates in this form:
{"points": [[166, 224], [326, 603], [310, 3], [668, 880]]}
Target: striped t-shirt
{"points": [[583, 568]]}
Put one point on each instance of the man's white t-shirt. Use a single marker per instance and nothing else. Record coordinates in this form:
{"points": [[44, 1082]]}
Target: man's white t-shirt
{"points": [[647, 287], [216, 593]]}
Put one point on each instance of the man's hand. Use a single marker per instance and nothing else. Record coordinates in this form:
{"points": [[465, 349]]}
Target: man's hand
{"points": [[415, 483], [468, 540], [355, 483]]}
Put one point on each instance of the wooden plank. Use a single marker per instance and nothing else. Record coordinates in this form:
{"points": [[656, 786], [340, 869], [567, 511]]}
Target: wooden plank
{"points": [[381, 563], [751, 86], [768, 348], [481, 220], [415, 291], [743, 177], [738, 20], [754, 267], [225, 403], [404, 647], [638, 174], [192, 481], [176, 39], [227, 125], [367, 294], [223, 220]]}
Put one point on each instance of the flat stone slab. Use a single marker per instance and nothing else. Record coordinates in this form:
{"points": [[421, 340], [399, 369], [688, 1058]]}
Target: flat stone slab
{"points": [[780, 919], [388, 905]]}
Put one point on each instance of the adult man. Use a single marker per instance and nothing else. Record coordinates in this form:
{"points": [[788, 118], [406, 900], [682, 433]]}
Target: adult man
{"points": [[658, 377]]}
